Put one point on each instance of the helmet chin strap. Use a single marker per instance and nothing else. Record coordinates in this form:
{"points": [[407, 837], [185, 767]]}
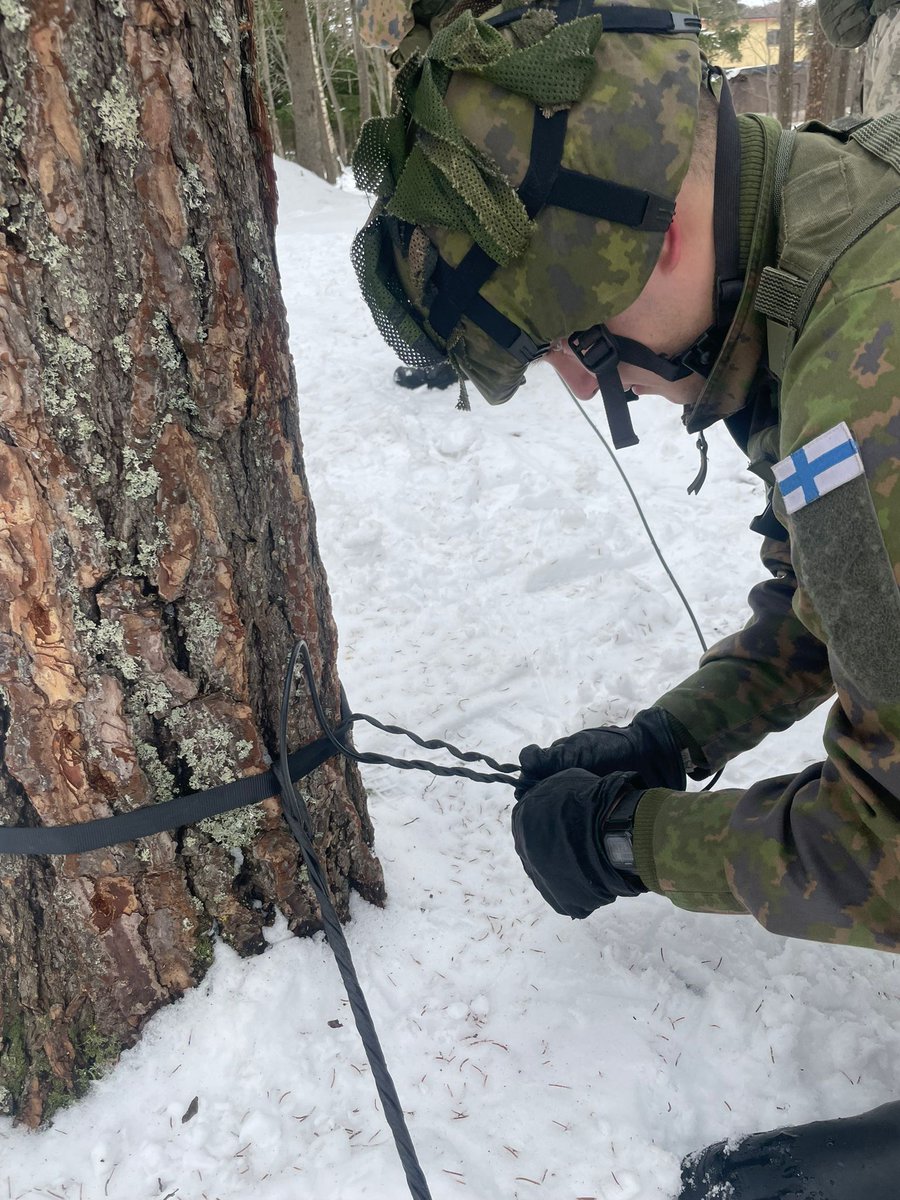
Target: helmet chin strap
{"points": [[601, 351]]}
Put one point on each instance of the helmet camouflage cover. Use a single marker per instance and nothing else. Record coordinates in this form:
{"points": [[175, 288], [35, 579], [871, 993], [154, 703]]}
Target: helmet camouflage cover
{"points": [[525, 180]]}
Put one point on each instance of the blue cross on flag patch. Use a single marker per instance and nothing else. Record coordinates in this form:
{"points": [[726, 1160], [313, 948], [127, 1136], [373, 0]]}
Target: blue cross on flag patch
{"points": [[818, 467]]}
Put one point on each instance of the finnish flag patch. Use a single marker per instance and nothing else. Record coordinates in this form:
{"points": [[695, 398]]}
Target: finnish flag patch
{"points": [[818, 467]]}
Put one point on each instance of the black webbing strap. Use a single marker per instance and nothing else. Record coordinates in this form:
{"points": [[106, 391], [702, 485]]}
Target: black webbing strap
{"points": [[144, 822], [726, 238], [157, 818], [617, 18], [458, 287], [609, 201]]}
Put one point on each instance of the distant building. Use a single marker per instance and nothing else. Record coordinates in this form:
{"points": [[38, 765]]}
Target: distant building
{"points": [[760, 47], [753, 74]]}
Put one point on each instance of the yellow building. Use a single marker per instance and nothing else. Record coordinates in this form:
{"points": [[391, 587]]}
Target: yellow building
{"points": [[760, 47]]}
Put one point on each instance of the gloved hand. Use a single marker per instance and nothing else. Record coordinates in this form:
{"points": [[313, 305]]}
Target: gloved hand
{"points": [[647, 746], [558, 829]]}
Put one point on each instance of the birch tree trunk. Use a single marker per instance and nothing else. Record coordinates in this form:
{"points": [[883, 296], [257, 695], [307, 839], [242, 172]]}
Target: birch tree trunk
{"points": [[157, 542]]}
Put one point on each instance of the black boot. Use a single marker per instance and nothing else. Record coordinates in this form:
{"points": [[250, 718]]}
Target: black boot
{"points": [[441, 376], [850, 1158]]}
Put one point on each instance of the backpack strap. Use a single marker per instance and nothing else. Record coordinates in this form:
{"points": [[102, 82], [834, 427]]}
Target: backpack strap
{"points": [[784, 298]]}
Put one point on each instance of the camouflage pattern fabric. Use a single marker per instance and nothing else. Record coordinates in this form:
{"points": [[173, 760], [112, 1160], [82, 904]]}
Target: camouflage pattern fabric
{"points": [[881, 82], [402, 28], [845, 22], [817, 854]]}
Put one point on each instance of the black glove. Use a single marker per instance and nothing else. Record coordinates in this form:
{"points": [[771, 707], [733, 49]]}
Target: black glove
{"points": [[842, 1159], [558, 829], [647, 746]]}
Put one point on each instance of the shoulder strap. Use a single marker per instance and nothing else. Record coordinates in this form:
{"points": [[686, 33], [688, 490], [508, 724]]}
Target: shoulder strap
{"points": [[786, 299]]}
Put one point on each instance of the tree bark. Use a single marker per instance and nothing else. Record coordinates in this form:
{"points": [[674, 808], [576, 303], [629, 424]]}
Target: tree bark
{"points": [[266, 72], [836, 98], [325, 74], [361, 58], [820, 56], [157, 542], [787, 18], [313, 145]]}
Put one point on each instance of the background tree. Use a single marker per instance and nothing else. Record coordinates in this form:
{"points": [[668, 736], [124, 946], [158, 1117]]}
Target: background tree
{"points": [[351, 81], [157, 542], [314, 146], [723, 29], [785, 104]]}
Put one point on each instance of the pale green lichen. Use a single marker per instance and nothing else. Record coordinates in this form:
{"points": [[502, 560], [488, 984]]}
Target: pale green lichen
{"points": [[158, 775], [12, 130], [98, 468], [207, 748], [122, 347], [83, 515], [15, 15], [107, 641], [141, 479], [201, 633], [193, 190], [148, 551], [116, 7], [195, 264], [218, 26], [164, 344], [182, 401], [153, 696], [118, 112], [233, 829]]}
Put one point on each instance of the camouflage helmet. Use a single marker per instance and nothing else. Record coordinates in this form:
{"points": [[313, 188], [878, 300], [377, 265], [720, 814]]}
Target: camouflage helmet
{"points": [[526, 179]]}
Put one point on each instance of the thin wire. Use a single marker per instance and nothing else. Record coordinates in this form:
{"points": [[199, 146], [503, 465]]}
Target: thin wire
{"points": [[653, 542], [640, 512]]}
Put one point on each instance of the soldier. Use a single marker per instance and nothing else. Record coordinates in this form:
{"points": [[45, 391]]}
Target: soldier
{"points": [[527, 209], [850, 23]]}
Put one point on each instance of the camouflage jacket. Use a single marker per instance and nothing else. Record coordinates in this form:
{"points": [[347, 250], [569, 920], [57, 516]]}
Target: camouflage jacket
{"points": [[815, 854], [877, 23]]}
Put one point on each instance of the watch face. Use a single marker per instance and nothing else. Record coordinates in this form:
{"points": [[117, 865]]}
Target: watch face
{"points": [[619, 850]]}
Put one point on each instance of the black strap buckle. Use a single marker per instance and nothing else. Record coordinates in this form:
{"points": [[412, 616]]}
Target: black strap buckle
{"points": [[595, 349], [525, 349]]}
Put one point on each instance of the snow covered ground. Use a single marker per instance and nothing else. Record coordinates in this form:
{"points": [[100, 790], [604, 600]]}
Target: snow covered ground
{"points": [[492, 586]]}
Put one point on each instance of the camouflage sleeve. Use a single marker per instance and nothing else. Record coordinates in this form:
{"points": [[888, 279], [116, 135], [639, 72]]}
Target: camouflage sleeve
{"points": [[845, 22], [402, 26], [383, 24], [881, 81], [757, 681], [817, 854]]}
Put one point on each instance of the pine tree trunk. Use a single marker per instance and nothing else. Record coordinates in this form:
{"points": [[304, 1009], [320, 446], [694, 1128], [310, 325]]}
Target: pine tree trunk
{"points": [[361, 58], [311, 135], [836, 98], [266, 73], [787, 17], [157, 542], [820, 56]]}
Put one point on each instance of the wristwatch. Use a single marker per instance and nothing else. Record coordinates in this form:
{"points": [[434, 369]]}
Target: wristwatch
{"points": [[618, 830]]}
